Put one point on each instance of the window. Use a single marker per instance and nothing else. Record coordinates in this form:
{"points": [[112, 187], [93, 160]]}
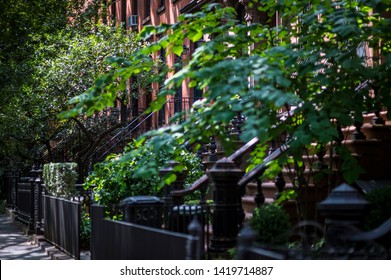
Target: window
{"points": [[178, 89], [162, 4], [114, 12], [135, 7], [147, 8], [123, 12], [197, 92]]}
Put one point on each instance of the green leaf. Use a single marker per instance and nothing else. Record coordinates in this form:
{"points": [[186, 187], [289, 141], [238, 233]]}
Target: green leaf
{"points": [[178, 50]]}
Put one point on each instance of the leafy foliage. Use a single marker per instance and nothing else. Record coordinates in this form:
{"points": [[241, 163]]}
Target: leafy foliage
{"points": [[49, 53], [270, 222], [66, 65], [380, 210], [60, 178], [310, 63], [117, 178], [85, 231]]}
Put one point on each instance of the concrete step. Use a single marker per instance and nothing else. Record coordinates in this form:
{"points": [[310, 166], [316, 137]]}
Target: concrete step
{"points": [[368, 117], [54, 252], [370, 131], [268, 189]]}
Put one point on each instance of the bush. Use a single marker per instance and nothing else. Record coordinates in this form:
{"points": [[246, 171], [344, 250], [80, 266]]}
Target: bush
{"points": [[135, 173], [270, 222], [85, 231], [60, 178], [380, 210]]}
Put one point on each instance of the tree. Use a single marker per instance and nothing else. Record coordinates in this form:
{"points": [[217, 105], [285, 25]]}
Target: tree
{"points": [[310, 64], [46, 59], [66, 66], [21, 21]]}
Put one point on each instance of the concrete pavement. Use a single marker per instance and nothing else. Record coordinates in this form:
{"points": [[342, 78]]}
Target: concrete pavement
{"points": [[15, 245]]}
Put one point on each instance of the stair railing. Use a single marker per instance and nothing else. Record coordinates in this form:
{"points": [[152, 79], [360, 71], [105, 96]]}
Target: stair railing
{"points": [[202, 183], [120, 137], [260, 169]]}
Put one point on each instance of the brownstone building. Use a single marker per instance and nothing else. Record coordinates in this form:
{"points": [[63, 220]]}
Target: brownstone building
{"points": [[135, 14]]}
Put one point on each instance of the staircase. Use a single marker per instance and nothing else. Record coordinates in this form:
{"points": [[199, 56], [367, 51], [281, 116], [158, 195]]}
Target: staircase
{"points": [[118, 141], [371, 149]]}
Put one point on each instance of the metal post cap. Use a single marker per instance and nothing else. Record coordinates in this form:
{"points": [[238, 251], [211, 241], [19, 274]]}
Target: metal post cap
{"points": [[343, 197]]}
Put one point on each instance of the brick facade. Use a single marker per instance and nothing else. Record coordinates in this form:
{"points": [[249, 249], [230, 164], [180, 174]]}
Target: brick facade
{"points": [[135, 14]]}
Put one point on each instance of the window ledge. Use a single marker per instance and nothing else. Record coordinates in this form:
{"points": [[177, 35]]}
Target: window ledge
{"points": [[147, 20], [161, 10]]}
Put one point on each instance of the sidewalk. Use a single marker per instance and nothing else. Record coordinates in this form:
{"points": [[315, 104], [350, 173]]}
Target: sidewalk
{"points": [[15, 245]]}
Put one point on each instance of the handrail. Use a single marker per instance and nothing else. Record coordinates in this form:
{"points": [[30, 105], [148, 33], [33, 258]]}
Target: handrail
{"points": [[261, 168], [124, 131], [123, 137], [116, 135], [236, 156]]}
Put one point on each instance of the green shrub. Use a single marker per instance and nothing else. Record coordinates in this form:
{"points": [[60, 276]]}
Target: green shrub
{"points": [[60, 178], [136, 173], [270, 222], [85, 231], [380, 210]]}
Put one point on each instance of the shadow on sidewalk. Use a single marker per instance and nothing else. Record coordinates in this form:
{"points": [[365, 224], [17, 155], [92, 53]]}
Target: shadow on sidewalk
{"points": [[15, 245]]}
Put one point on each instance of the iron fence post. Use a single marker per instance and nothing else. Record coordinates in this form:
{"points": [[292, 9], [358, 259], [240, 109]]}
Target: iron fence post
{"points": [[38, 201], [344, 209], [246, 240], [178, 184], [33, 200], [228, 213]]}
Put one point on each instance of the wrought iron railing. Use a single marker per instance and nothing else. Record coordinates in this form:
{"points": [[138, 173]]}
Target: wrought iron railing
{"points": [[62, 224], [122, 240], [138, 126], [66, 140], [341, 237], [119, 140], [25, 202]]}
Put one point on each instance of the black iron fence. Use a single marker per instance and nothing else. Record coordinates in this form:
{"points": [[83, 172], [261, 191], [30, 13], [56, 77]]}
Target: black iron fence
{"points": [[11, 178], [25, 201], [115, 240], [341, 237], [62, 224], [163, 228]]}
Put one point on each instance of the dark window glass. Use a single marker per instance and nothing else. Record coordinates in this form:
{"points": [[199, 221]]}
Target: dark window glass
{"points": [[135, 7], [197, 92], [147, 8], [123, 12]]}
